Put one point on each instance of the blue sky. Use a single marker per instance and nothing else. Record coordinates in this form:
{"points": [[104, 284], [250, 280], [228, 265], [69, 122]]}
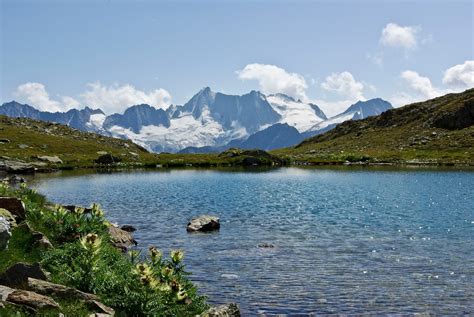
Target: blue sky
{"points": [[59, 54]]}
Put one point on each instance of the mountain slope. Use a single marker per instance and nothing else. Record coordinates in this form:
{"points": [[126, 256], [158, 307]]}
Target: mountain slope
{"points": [[277, 136], [25, 139], [359, 110], [77, 119], [135, 117], [440, 130], [300, 115]]}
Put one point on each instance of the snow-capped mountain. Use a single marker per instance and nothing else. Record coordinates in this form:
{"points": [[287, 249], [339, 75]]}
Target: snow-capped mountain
{"points": [[78, 119], [209, 121], [295, 113], [359, 110]]}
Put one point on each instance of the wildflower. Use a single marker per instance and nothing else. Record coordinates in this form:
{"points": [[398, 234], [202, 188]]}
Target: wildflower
{"points": [[181, 294], [144, 270], [177, 256], [164, 287], [23, 186], [79, 210], [166, 271], [155, 254], [96, 210], [91, 242], [133, 254]]}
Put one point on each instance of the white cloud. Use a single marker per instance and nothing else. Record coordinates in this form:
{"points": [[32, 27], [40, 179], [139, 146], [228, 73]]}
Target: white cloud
{"points": [[421, 85], [345, 85], [273, 79], [460, 76], [110, 99], [36, 95], [117, 98], [395, 35]]}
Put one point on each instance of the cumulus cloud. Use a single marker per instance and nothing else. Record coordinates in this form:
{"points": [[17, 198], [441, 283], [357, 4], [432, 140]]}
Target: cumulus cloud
{"points": [[273, 79], [345, 85], [456, 78], [117, 98], [395, 35], [114, 98], [36, 95], [460, 76], [420, 84]]}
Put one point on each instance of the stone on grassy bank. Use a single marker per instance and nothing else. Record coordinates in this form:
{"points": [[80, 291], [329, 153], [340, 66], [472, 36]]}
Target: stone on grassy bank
{"points": [[203, 223], [27, 299], [16, 167], [50, 159], [15, 206], [5, 233], [17, 275]]}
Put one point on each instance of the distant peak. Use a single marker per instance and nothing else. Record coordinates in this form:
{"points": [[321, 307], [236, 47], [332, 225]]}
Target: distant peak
{"points": [[284, 97]]}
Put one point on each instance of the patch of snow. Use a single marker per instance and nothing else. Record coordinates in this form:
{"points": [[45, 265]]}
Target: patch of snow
{"points": [[295, 113]]}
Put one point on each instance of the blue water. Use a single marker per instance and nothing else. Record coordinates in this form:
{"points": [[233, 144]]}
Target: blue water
{"points": [[346, 240]]}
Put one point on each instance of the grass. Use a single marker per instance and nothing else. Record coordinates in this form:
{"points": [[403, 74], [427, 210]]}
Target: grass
{"points": [[403, 135], [84, 258]]}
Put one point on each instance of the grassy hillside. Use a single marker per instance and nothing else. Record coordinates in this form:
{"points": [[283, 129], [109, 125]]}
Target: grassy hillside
{"points": [[26, 139], [439, 130]]}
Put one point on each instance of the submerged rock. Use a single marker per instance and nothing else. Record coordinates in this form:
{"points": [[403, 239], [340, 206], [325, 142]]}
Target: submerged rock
{"points": [[226, 310], [266, 245], [203, 223], [5, 233], [128, 228]]}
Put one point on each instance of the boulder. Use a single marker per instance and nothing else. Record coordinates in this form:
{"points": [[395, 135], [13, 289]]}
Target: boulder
{"points": [[108, 159], [226, 310], [15, 206], [30, 299], [14, 179], [16, 167], [5, 233], [121, 239], [61, 291], [3, 140], [17, 275], [50, 159], [203, 223], [9, 217], [41, 241]]}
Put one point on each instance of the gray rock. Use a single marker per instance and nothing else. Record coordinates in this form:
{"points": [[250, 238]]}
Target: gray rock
{"points": [[128, 228], [23, 146], [121, 239], [50, 159], [17, 275], [226, 310], [16, 167], [5, 233], [2, 141], [30, 299], [9, 217], [41, 241], [15, 206], [203, 223]]}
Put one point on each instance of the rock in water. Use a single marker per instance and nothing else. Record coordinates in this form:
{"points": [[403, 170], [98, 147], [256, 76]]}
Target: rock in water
{"points": [[226, 310], [203, 223], [5, 233], [15, 206], [128, 228], [121, 239]]}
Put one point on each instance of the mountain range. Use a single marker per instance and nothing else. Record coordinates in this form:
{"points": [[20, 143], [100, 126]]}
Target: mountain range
{"points": [[209, 121]]}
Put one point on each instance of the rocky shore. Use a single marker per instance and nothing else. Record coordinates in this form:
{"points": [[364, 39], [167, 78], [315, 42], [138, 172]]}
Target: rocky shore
{"points": [[63, 259]]}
